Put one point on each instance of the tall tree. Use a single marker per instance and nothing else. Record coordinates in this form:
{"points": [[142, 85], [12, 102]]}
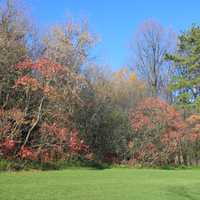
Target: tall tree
{"points": [[70, 44], [14, 31], [151, 44], [186, 82]]}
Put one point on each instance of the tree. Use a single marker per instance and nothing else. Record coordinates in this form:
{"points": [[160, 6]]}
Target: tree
{"points": [[126, 90], [191, 142], [104, 125], [157, 133], [37, 127], [151, 45], [186, 81], [70, 44], [14, 31]]}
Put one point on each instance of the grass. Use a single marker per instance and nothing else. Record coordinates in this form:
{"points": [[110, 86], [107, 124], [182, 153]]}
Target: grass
{"points": [[108, 184]]}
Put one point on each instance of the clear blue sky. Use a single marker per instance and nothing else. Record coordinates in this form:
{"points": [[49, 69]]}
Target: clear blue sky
{"points": [[116, 20]]}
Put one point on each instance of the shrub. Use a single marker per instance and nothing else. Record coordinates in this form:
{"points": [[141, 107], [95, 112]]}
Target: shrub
{"points": [[157, 133]]}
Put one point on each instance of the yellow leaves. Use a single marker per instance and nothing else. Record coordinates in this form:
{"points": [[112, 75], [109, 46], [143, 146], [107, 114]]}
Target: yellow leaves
{"points": [[15, 114], [130, 144], [53, 93], [121, 75], [193, 119], [126, 89], [127, 80], [141, 86], [132, 77], [125, 76]]}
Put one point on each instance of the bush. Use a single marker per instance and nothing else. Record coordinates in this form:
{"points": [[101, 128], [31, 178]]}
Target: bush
{"points": [[157, 133], [4, 165]]}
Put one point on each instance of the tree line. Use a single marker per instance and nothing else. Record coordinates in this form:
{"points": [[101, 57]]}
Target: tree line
{"points": [[58, 104]]}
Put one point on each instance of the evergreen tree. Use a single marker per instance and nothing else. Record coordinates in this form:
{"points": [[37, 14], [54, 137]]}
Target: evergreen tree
{"points": [[186, 80]]}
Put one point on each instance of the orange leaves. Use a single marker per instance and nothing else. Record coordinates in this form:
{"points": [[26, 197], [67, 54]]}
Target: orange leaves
{"points": [[51, 92], [25, 64], [47, 68], [54, 130], [193, 119], [16, 114], [153, 112], [41, 76], [44, 66], [171, 140], [158, 129], [193, 137], [8, 145], [193, 128], [76, 145], [10, 121], [27, 81], [45, 156], [58, 140], [27, 153], [140, 121], [171, 135], [42, 83]]}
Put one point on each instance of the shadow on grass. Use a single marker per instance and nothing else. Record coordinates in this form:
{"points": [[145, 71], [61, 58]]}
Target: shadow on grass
{"points": [[185, 193], [60, 165]]}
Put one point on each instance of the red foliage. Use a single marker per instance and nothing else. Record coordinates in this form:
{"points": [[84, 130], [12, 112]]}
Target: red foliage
{"points": [[47, 68], [50, 92], [8, 145], [193, 128], [5, 128], [25, 64], [27, 153], [45, 156], [151, 147], [27, 81], [37, 140], [76, 145], [46, 71], [158, 127], [152, 112], [44, 66], [54, 130]]}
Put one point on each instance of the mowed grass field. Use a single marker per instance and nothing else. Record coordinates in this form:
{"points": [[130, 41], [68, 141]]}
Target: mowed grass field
{"points": [[108, 184]]}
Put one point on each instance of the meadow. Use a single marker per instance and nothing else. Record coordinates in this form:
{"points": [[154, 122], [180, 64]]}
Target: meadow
{"points": [[108, 184]]}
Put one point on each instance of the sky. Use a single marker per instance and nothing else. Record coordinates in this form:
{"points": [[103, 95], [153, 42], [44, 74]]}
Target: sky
{"points": [[115, 21]]}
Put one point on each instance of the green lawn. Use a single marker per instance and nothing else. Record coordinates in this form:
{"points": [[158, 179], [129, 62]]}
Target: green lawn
{"points": [[109, 184]]}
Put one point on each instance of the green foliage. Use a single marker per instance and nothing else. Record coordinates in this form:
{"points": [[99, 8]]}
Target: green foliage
{"points": [[187, 77], [105, 129], [4, 165]]}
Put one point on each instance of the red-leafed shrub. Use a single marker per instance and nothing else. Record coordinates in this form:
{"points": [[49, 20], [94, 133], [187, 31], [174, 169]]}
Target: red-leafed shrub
{"points": [[157, 131], [49, 143], [27, 81], [27, 153], [8, 146], [76, 145], [191, 143], [52, 130], [193, 128], [42, 131]]}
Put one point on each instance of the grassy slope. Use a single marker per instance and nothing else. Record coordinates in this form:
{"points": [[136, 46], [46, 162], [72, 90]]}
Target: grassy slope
{"points": [[109, 184]]}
